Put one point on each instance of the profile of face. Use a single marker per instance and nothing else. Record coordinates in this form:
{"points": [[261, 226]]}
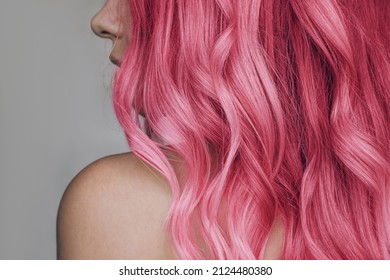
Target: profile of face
{"points": [[112, 22]]}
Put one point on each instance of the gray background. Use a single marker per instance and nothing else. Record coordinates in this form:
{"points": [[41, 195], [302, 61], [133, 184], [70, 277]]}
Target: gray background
{"points": [[56, 115]]}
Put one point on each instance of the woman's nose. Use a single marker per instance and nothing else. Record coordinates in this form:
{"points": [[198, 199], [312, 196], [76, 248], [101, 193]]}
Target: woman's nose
{"points": [[105, 24]]}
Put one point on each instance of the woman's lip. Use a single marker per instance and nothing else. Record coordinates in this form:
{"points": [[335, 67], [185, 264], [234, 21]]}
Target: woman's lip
{"points": [[114, 60]]}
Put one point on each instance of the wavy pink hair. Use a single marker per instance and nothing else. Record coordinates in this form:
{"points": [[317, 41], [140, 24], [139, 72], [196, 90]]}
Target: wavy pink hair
{"points": [[279, 108]]}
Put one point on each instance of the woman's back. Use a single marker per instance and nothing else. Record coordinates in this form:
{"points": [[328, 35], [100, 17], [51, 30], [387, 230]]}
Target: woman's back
{"points": [[116, 207]]}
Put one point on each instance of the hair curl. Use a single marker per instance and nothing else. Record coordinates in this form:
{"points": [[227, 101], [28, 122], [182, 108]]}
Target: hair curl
{"points": [[279, 108]]}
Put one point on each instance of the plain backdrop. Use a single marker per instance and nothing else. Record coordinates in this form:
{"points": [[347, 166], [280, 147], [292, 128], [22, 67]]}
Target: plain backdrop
{"points": [[56, 115]]}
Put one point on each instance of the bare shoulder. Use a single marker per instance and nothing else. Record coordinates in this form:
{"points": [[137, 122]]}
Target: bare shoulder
{"points": [[115, 208]]}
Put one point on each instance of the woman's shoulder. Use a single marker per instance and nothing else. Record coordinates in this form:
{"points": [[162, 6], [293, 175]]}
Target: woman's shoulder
{"points": [[115, 208]]}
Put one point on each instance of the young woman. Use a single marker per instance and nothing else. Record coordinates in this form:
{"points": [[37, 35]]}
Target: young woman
{"points": [[259, 129]]}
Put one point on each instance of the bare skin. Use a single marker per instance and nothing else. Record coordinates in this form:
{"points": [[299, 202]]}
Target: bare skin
{"points": [[116, 207], [113, 22]]}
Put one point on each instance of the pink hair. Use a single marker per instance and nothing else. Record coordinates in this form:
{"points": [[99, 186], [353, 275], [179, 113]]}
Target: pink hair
{"points": [[278, 108]]}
